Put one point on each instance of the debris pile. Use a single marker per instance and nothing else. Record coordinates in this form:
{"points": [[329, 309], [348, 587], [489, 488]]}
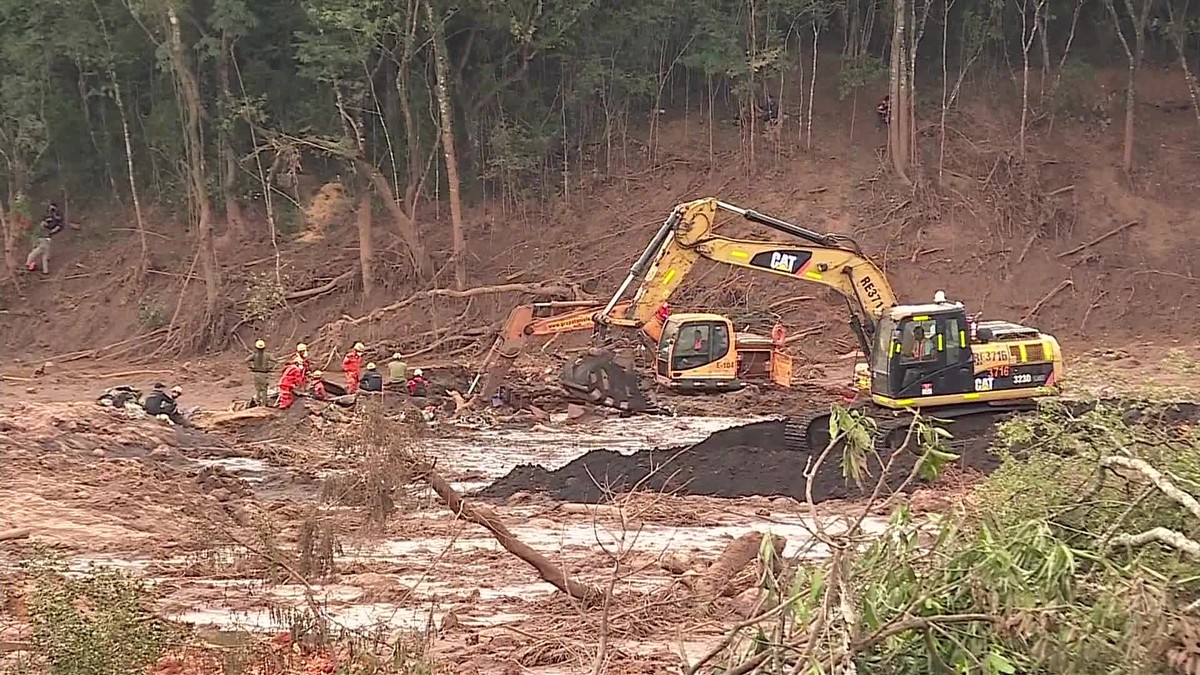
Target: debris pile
{"points": [[740, 462]]}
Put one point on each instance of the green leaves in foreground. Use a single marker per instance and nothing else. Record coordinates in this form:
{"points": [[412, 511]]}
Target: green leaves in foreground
{"points": [[98, 624]]}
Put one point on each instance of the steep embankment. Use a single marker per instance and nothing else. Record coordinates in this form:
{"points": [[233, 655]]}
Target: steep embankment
{"points": [[1017, 239]]}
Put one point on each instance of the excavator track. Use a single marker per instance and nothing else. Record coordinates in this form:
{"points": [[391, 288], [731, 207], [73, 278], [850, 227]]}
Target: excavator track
{"points": [[971, 426], [808, 432]]}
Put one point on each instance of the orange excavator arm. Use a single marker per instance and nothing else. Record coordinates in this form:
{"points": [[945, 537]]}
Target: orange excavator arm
{"points": [[539, 319]]}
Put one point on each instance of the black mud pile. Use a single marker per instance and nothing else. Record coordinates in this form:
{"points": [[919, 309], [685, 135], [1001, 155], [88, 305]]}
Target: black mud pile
{"points": [[738, 462]]}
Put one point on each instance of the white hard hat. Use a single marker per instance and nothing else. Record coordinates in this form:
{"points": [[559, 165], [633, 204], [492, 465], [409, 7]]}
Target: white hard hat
{"points": [[417, 371], [940, 296]]}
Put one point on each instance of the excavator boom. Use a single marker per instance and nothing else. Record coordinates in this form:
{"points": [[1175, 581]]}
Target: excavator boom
{"points": [[688, 236]]}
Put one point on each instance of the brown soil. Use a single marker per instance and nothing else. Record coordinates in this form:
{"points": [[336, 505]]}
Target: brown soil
{"points": [[985, 240]]}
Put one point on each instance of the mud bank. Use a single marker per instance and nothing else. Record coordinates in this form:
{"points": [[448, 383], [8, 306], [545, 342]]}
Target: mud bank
{"points": [[740, 462]]}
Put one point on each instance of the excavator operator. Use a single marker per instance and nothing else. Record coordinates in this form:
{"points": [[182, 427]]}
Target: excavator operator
{"points": [[922, 347]]}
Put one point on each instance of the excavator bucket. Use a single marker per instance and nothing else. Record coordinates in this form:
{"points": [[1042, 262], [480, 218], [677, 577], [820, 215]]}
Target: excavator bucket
{"points": [[598, 379]]}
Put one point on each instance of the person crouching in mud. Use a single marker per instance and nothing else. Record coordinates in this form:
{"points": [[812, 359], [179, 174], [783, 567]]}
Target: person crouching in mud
{"points": [[161, 402]]}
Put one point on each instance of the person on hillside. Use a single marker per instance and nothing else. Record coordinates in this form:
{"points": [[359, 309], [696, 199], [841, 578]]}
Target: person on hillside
{"points": [[52, 224], [397, 369], [318, 386], [352, 367], [371, 380], [261, 365], [165, 403], [291, 380], [884, 110], [417, 384], [768, 110]]}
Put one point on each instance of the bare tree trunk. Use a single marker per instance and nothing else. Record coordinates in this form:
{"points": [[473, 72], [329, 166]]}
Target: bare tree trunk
{"points": [[1028, 34], [8, 228], [812, 87], [189, 95], [458, 246], [229, 169], [898, 135], [1134, 53], [144, 261], [1178, 38], [947, 4], [366, 247]]}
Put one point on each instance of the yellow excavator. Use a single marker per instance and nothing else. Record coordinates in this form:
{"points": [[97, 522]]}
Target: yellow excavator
{"points": [[748, 358], [930, 357]]}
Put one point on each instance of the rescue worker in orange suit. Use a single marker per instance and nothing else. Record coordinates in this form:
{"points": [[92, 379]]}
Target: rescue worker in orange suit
{"points": [[318, 386], [292, 379], [302, 354], [663, 312], [352, 367], [778, 334]]}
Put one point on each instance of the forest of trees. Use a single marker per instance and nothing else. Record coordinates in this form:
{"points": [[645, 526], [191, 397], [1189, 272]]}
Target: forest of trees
{"points": [[216, 107]]}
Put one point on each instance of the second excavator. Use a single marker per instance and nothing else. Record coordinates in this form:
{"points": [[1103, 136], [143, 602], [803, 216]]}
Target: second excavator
{"points": [[928, 357]]}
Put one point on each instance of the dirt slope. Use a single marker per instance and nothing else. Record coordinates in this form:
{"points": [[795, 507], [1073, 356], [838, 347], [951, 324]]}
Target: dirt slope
{"points": [[997, 236]]}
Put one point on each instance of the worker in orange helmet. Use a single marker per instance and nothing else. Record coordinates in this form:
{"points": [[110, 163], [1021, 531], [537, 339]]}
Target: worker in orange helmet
{"points": [[352, 367], [291, 380]]}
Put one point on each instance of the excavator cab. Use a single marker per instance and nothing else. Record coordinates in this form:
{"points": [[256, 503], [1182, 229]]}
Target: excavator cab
{"points": [[924, 356], [696, 352], [921, 352]]}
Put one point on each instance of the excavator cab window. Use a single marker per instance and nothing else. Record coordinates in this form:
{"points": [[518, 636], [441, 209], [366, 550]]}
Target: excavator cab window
{"points": [[925, 356], [697, 344]]}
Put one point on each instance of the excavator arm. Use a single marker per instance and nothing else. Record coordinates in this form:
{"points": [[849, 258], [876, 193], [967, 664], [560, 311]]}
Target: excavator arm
{"points": [[536, 320], [687, 236]]}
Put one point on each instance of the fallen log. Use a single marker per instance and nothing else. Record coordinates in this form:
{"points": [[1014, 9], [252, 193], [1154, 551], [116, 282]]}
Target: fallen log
{"points": [[18, 533], [333, 283], [484, 517], [553, 290]]}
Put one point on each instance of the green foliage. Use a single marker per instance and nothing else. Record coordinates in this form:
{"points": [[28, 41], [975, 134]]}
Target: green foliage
{"points": [[532, 79], [94, 624], [860, 72], [1040, 579]]}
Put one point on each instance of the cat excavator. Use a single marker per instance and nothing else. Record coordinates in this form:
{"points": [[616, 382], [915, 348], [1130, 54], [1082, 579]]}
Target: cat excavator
{"points": [[928, 357]]}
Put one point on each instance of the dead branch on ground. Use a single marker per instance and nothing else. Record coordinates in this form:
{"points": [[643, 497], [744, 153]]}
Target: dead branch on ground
{"points": [[1064, 284], [541, 289], [484, 517], [320, 290], [1097, 240]]}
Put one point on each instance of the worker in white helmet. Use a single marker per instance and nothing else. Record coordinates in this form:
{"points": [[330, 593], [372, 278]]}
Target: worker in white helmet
{"points": [[261, 366]]}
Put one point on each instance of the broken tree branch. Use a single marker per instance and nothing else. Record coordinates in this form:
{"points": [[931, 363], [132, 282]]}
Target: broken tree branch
{"points": [[333, 283], [530, 288], [1065, 283], [482, 516], [1162, 535], [1097, 240], [1156, 477]]}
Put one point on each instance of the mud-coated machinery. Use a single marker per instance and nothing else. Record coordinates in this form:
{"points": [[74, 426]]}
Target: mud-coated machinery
{"points": [[926, 357], [745, 357]]}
